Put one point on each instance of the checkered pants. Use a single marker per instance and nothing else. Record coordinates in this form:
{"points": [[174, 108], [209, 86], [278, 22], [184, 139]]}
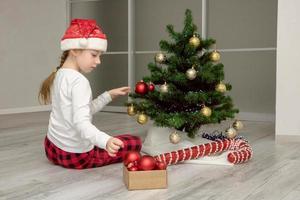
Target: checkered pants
{"points": [[97, 157]]}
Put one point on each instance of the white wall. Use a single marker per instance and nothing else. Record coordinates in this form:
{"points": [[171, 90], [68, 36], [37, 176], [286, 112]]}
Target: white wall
{"points": [[288, 70], [29, 49]]}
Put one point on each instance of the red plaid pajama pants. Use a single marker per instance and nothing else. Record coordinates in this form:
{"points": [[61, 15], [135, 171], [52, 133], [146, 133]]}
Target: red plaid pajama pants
{"points": [[97, 157]]}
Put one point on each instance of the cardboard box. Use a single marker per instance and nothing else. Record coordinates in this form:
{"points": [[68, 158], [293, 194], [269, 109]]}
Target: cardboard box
{"points": [[142, 180]]}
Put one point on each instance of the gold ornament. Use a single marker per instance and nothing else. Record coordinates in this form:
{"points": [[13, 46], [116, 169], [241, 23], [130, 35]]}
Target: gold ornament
{"points": [[164, 88], [237, 125], [231, 133], [174, 137], [160, 57], [131, 110], [194, 41], [142, 118], [215, 56], [206, 111], [191, 73], [221, 87]]}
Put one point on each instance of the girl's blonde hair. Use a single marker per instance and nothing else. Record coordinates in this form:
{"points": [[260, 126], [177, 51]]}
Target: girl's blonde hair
{"points": [[44, 93]]}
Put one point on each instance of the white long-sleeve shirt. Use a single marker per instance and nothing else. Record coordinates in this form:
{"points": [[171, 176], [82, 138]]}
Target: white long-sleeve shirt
{"points": [[70, 124]]}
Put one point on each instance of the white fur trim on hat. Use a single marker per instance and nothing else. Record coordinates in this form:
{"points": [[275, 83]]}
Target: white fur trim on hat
{"points": [[89, 43]]}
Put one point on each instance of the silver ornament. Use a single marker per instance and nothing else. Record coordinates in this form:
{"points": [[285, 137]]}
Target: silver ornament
{"points": [[164, 88], [160, 57], [174, 137], [237, 125], [231, 133], [191, 73]]}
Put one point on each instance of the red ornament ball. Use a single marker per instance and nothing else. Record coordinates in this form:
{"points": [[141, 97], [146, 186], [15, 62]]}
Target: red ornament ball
{"points": [[131, 164], [141, 87], [131, 157], [133, 168], [160, 165], [151, 87], [147, 163]]}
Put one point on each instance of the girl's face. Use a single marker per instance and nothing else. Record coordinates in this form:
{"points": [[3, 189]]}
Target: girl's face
{"points": [[87, 60]]}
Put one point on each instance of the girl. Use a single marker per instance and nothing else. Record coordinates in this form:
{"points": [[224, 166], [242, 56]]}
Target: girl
{"points": [[72, 141]]}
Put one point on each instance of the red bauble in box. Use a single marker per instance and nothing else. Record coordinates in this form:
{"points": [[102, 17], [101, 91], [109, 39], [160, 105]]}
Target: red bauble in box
{"points": [[151, 87], [132, 164], [147, 163], [133, 168], [131, 157], [160, 165], [141, 87]]}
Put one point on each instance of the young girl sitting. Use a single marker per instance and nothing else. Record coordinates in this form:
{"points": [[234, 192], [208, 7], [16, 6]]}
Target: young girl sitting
{"points": [[72, 141]]}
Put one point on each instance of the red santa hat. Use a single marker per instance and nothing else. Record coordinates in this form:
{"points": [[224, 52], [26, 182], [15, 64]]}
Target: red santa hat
{"points": [[84, 34]]}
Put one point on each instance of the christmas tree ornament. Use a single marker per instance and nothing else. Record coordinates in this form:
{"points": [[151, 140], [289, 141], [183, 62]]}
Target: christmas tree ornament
{"points": [[131, 157], [142, 118], [131, 110], [241, 152], [133, 168], [164, 88], [191, 73], [194, 41], [174, 138], [160, 58], [221, 87], [237, 125], [151, 87], [230, 133], [131, 164], [147, 163], [141, 88], [206, 111], [160, 165], [215, 56]]}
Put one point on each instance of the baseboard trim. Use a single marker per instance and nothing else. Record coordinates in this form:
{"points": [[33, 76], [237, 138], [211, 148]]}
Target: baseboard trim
{"points": [[25, 109], [242, 116], [121, 109], [281, 139], [261, 117], [48, 108]]}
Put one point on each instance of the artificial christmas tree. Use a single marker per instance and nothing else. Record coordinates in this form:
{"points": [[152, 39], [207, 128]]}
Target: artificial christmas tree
{"points": [[190, 90]]}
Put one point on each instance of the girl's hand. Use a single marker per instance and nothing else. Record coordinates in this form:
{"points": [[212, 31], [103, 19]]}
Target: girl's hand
{"points": [[113, 145], [122, 91]]}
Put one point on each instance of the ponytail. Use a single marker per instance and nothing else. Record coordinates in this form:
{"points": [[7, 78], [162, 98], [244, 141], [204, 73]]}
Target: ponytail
{"points": [[44, 93]]}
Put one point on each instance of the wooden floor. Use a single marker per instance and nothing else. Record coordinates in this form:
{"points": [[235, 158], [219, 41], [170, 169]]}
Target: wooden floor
{"points": [[25, 173]]}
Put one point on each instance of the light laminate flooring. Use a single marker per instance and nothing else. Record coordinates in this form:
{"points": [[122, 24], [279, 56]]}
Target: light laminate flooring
{"points": [[25, 173]]}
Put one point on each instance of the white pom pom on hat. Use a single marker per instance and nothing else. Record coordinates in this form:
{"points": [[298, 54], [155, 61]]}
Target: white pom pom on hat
{"points": [[84, 34]]}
